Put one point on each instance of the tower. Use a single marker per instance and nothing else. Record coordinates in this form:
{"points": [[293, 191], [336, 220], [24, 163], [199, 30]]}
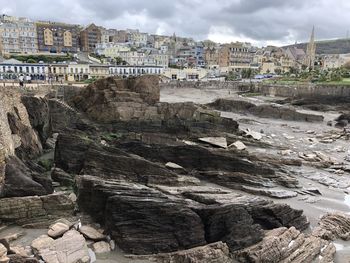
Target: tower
{"points": [[311, 51]]}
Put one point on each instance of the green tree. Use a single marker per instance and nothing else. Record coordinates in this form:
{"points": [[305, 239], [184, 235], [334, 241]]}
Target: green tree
{"points": [[31, 60]]}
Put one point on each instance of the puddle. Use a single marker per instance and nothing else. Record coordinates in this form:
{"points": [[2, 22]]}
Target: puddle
{"points": [[347, 201], [338, 246]]}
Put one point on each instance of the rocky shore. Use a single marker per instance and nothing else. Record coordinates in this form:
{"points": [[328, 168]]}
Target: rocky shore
{"points": [[115, 167]]}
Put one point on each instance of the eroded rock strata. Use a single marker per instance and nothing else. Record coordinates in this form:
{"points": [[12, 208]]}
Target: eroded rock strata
{"points": [[166, 181]]}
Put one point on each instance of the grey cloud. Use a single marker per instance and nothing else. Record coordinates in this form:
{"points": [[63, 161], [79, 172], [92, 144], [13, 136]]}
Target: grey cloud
{"points": [[258, 20]]}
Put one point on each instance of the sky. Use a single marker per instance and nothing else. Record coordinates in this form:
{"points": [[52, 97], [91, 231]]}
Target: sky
{"points": [[261, 22]]}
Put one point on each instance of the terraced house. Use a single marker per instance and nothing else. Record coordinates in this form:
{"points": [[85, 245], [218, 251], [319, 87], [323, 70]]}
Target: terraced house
{"points": [[57, 37]]}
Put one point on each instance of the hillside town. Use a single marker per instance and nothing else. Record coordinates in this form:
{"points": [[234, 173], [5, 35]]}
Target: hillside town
{"points": [[60, 52]]}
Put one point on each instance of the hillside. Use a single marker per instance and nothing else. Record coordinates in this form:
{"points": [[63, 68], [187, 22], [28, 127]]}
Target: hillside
{"points": [[337, 46]]}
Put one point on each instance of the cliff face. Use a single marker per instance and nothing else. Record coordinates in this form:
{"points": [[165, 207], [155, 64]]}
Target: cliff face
{"points": [[17, 136]]}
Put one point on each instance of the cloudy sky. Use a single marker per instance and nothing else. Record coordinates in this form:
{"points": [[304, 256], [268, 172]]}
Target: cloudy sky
{"points": [[258, 21]]}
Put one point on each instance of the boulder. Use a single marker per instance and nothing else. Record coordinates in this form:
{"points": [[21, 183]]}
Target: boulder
{"points": [[70, 248], [101, 247], [240, 146], [41, 243], [57, 230], [91, 233], [21, 251]]}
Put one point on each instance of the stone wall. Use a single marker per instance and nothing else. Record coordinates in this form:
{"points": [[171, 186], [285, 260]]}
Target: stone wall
{"points": [[302, 90], [231, 85]]}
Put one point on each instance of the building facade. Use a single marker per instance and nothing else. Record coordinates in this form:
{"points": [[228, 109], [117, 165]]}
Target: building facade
{"points": [[12, 69], [57, 37], [90, 36], [111, 50], [135, 70], [18, 35], [235, 56]]}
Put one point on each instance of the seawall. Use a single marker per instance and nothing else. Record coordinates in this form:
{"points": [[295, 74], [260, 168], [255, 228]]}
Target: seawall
{"points": [[304, 90]]}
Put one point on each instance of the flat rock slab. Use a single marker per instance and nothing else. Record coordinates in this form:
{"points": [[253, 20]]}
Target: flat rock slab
{"points": [[91, 233], [275, 193], [216, 141]]}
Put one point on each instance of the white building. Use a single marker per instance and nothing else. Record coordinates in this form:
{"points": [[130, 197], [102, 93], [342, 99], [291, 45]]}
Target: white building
{"points": [[11, 69], [135, 70], [111, 50]]}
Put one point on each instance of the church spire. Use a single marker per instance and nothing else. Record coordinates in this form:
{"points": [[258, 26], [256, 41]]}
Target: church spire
{"points": [[311, 51]]}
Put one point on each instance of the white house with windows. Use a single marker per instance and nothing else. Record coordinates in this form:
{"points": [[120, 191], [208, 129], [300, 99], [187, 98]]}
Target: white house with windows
{"points": [[121, 70], [11, 69]]}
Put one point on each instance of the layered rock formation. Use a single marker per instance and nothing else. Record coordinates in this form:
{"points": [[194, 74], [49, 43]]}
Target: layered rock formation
{"points": [[133, 104], [39, 116], [263, 110], [144, 173], [35, 209], [133, 211], [18, 142], [212, 253], [290, 245], [143, 166]]}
